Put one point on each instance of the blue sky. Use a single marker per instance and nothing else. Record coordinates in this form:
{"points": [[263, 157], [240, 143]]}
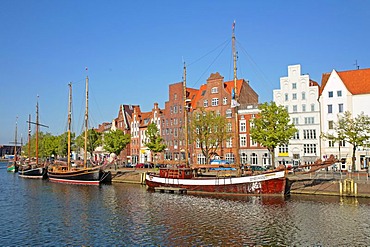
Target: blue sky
{"points": [[135, 49]]}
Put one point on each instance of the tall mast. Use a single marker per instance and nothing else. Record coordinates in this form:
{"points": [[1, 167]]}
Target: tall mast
{"points": [[186, 120], [37, 131], [29, 138], [237, 159], [15, 140], [69, 126], [86, 120]]}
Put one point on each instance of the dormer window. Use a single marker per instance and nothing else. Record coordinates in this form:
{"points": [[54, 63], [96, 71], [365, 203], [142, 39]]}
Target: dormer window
{"points": [[214, 90]]}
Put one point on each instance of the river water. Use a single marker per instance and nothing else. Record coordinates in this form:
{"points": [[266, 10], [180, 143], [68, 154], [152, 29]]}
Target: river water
{"points": [[41, 213]]}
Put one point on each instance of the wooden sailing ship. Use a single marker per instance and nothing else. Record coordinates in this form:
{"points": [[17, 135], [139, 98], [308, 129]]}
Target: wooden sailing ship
{"points": [[188, 178], [33, 169], [88, 174]]}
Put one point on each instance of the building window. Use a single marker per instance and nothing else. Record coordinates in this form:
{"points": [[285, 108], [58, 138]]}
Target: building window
{"points": [[295, 120], [243, 140], [303, 108], [340, 107], [205, 103], [175, 96], [331, 125], [309, 120], [309, 134], [331, 144], [294, 85], [201, 159], [224, 101], [342, 143], [229, 143], [286, 97], [215, 102], [339, 93], [243, 126], [228, 113], [303, 95], [330, 94], [312, 107], [330, 108], [294, 96], [296, 136], [309, 148], [229, 128], [214, 90], [283, 149], [243, 158], [266, 159], [253, 159], [230, 157], [295, 108], [175, 109], [253, 143]]}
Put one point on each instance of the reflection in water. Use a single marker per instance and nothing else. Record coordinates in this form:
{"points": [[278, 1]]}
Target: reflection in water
{"points": [[41, 213]]}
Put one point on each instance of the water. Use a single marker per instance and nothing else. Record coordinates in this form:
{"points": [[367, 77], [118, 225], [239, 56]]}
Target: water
{"points": [[41, 213]]}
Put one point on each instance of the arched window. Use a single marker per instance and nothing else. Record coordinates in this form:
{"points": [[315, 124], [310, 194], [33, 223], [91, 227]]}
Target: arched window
{"points": [[243, 158], [253, 159], [266, 159]]}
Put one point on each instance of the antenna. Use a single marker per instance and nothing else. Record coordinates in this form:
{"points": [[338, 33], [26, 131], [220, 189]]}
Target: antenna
{"points": [[356, 64]]}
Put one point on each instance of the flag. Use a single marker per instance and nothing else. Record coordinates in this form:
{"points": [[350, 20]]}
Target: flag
{"points": [[234, 103], [86, 68], [234, 25]]}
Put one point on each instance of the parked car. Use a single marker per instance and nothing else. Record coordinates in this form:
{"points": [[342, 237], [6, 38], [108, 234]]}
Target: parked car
{"points": [[139, 165]]}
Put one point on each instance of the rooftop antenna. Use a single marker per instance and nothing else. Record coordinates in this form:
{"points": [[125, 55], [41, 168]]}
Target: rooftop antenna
{"points": [[356, 64]]}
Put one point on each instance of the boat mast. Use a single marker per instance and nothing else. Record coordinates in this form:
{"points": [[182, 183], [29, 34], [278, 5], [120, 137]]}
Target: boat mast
{"points": [[86, 120], [15, 141], [69, 125], [186, 120], [37, 131], [237, 159], [29, 138]]}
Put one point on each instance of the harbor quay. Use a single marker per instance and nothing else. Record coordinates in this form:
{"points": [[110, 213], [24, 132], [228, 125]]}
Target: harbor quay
{"points": [[350, 184]]}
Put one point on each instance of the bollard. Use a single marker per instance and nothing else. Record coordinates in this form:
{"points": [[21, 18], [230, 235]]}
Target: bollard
{"points": [[340, 188], [355, 189]]}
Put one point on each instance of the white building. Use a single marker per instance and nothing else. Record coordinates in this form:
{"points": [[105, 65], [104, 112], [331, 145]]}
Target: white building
{"points": [[340, 92], [299, 95]]}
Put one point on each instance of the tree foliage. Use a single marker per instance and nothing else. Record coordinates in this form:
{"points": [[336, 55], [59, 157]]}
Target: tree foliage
{"points": [[355, 131], [155, 143], [48, 145], [209, 130], [116, 141], [272, 127], [94, 140]]}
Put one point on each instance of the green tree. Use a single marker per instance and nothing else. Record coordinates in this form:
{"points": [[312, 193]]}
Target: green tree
{"points": [[209, 130], [155, 143], [272, 128], [355, 131], [63, 144], [48, 145], [116, 141], [94, 140]]}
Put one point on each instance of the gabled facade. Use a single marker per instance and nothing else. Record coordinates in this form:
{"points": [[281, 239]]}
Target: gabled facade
{"points": [[123, 122], [139, 124], [299, 95], [340, 92], [173, 123], [216, 96]]}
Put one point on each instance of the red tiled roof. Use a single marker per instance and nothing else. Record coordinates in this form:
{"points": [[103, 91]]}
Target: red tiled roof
{"points": [[229, 85], [356, 81]]}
